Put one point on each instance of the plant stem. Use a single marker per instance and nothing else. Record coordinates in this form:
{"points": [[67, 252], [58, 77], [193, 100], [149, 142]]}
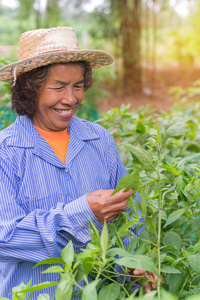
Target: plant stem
{"points": [[159, 224], [76, 284], [123, 287], [183, 285], [99, 273]]}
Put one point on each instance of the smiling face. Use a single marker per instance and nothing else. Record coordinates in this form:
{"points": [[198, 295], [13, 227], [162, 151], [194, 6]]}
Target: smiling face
{"points": [[59, 97]]}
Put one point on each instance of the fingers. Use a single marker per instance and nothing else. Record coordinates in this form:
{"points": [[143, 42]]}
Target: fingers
{"points": [[139, 272], [107, 207], [147, 287], [147, 275]]}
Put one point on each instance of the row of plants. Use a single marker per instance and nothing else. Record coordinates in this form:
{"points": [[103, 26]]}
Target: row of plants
{"points": [[162, 152]]}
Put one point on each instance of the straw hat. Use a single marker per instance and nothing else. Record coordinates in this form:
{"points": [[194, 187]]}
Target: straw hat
{"points": [[42, 47]]}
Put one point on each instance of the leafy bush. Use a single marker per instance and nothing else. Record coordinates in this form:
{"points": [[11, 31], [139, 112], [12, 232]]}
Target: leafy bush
{"points": [[162, 155], [7, 117]]}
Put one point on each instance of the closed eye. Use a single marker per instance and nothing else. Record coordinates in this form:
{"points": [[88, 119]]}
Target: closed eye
{"points": [[79, 86], [59, 89]]}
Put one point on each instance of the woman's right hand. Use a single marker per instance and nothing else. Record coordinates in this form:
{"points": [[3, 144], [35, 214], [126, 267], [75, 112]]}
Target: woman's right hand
{"points": [[107, 207]]}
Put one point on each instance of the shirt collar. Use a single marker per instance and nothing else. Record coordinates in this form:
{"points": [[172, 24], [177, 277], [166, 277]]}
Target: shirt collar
{"points": [[25, 134], [82, 130]]}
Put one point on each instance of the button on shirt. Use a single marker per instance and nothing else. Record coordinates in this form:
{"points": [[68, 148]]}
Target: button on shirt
{"points": [[43, 202]]}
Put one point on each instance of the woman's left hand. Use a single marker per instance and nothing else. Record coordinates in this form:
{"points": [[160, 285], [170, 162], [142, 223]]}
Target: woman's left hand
{"points": [[144, 275]]}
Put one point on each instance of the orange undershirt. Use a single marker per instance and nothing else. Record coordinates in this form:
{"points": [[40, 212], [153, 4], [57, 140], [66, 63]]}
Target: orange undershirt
{"points": [[58, 141]]}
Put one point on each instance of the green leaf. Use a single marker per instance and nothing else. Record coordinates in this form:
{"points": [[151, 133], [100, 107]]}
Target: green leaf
{"points": [[149, 296], [171, 189], [43, 297], [169, 269], [19, 292], [150, 223], [87, 265], [118, 251], [138, 262], [109, 292], [142, 203], [131, 297], [195, 225], [142, 156], [172, 239], [55, 260], [54, 269], [95, 238], [89, 291], [167, 296], [29, 297], [126, 226], [195, 196], [175, 130], [140, 128], [182, 161], [104, 240], [141, 249], [81, 275], [40, 286], [93, 248], [64, 290], [174, 216], [132, 245], [125, 181], [176, 281], [170, 169], [194, 297], [68, 253], [194, 261]]}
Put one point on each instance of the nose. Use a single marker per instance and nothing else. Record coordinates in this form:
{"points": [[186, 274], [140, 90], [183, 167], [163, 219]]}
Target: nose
{"points": [[69, 97]]}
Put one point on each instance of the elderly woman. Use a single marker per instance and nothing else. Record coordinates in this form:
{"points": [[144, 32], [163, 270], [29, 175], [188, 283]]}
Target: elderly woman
{"points": [[56, 171]]}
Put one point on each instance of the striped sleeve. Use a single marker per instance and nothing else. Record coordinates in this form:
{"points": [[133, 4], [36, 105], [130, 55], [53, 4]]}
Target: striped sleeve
{"points": [[40, 234]]}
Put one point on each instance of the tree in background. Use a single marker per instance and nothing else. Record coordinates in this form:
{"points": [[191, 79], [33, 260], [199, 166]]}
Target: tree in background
{"points": [[31, 11], [132, 27], [129, 29], [53, 13], [121, 22]]}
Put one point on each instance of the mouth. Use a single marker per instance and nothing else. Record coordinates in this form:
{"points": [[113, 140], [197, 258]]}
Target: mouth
{"points": [[64, 113]]}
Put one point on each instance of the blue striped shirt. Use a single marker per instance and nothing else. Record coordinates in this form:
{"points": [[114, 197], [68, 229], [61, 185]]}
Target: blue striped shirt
{"points": [[43, 201]]}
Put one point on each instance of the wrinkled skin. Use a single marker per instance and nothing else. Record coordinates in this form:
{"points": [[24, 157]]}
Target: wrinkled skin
{"points": [[107, 207]]}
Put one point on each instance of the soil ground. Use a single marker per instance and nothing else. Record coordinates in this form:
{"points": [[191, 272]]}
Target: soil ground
{"points": [[160, 99]]}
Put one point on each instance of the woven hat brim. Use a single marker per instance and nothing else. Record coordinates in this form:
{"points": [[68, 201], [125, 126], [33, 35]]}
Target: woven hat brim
{"points": [[96, 58]]}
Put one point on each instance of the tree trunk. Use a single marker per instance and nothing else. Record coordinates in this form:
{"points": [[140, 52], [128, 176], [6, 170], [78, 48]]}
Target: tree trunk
{"points": [[52, 13], [131, 47], [38, 14]]}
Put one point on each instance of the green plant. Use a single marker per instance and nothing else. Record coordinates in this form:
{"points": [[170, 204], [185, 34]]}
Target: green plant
{"points": [[7, 117], [166, 164]]}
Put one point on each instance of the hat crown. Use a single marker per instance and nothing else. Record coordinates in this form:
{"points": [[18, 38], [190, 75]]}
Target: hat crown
{"points": [[40, 41]]}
